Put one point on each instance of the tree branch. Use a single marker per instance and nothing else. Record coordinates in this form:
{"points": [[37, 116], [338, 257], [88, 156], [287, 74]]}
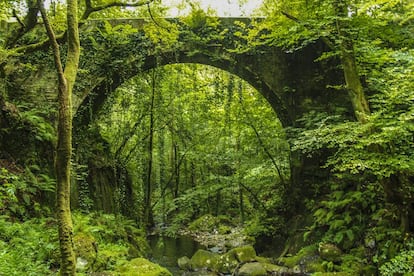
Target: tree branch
{"points": [[90, 9], [61, 37], [53, 40], [153, 19], [26, 25], [18, 19]]}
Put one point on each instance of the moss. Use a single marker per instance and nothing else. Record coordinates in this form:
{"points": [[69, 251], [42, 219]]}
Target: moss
{"points": [[206, 223], [224, 229], [227, 262], [139, 246], [184, 263], [315, 265], [292, 261], [354, 262], [85, 247], [330, 252], [275, 269], [252, 269], [332, 274], [142, 267], [262, 259], [204, 259], [244, 253], [109, 256]]}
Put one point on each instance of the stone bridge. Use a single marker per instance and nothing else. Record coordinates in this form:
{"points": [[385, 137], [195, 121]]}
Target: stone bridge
{"points": [[116, 50]]}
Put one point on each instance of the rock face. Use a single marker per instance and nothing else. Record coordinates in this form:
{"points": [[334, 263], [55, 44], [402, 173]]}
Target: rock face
{"points": [[252, 269]]}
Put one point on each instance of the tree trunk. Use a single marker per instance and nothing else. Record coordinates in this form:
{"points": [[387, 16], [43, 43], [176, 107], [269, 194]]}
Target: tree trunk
{"points": [[350, 69], [66, 80], [148, 183], [361, 107]]}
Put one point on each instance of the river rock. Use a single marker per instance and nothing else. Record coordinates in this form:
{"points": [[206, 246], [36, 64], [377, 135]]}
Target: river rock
{"points": [[275, 269], [230, 260], [244, 253], [227, 262], [252, 269], [184, 263], [204, 259]]}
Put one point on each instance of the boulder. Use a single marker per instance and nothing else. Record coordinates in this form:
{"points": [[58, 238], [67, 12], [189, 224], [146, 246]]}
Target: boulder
{"points": [[275, 269], [204, 259], [184, 263], [227, 262], [244, 253], [252, 269], [230, 260], [142, 267], [86, 250], [329, 252]]}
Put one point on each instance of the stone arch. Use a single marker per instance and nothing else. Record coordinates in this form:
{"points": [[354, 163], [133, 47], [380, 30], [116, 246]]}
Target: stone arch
{"points": [[291, 81], [237, 66]]}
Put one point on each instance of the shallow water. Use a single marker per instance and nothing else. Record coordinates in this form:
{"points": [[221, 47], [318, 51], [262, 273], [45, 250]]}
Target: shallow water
{"points": [[166, 251]]}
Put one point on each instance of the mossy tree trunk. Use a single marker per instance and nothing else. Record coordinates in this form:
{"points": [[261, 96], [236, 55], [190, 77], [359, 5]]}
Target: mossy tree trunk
{"points": [[66, 80], [392, 186], [349, 66]]}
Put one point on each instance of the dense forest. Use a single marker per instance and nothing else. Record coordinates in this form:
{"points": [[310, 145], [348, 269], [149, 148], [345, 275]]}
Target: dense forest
{"points": [[133, 143]]}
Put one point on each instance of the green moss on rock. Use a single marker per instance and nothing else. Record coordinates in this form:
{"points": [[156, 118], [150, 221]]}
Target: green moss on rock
{"points": [[227, 262], [204, 259], [142, 267], [304, 253], [275, 269], [330, 252], [244, 253], [252, 269], [85, 247], [184, 263], [206, 223]]}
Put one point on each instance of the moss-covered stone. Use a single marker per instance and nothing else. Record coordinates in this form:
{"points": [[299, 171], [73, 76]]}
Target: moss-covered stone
{"points": [[204, 259], [314, 265], [274, 269], [138, 244], [244, 253], [230, 260], [142, 267], [304, 253], [206, 223], [86, 250], [184, 263], [330, 252], [332, 274], [224, 229], [252, 269], [227, 263]]}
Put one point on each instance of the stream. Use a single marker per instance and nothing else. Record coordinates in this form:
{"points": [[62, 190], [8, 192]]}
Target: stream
{"points": [[166, 251]]}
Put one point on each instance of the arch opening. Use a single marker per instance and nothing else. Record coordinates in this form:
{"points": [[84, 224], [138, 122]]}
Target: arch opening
{"points": [[191, 134]]}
